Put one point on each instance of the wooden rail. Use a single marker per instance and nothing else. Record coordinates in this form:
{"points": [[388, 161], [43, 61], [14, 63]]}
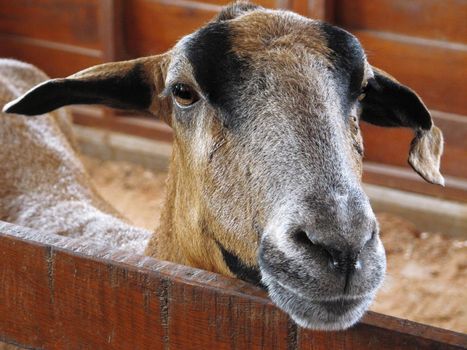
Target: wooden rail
{"points": [[55, 296]]}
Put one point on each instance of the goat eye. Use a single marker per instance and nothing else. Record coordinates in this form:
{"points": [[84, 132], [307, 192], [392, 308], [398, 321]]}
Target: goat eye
{"points": [[184, 94]]}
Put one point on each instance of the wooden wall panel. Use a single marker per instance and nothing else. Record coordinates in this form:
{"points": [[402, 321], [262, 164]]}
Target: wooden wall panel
{"points": [[435, 19], [167, 22], [60, 37], [316, 9], [71, 22], [57, 60]]}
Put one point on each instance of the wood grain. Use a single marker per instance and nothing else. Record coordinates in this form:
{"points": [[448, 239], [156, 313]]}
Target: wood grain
{"points": [[316, 9], [111, 18], [168, 24], [71, 22], [436, 19], [57, 60], [58, 298]]}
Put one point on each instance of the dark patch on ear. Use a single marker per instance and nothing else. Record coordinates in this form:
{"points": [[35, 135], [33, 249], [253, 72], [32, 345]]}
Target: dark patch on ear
{"points": [[129, 91], [239, 269], [235, 10], [218, 70], [347, 57], [391, 104]]}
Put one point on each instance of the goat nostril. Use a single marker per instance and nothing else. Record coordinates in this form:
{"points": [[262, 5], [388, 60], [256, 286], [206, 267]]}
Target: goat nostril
{"points": [[332, 255], [337, 259], [302, 238]]}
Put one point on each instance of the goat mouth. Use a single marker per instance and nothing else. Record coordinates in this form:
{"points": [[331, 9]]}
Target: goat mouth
{"points": [[338, 313]]}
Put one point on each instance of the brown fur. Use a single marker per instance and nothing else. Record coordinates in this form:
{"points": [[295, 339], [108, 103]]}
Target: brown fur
{"points": [[258, 34]]}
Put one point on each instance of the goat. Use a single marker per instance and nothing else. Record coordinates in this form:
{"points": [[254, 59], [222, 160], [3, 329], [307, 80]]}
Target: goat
{"points": [[265, 176]]}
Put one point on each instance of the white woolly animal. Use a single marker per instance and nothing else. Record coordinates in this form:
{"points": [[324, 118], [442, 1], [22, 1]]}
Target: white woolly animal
{"points": [[43, 184]]}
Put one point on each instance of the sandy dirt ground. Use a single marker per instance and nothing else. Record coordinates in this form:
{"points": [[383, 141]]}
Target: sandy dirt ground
{"points": [[427, 272]]}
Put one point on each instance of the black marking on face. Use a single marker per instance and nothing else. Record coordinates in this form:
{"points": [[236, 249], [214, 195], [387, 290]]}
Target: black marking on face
{"points": [[240, 269], [129, 91], [348, 59], [218, 70]]}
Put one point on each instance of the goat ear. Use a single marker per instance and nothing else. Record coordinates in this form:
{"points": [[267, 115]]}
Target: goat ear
{"points": [[133, 85], [391, 104]]}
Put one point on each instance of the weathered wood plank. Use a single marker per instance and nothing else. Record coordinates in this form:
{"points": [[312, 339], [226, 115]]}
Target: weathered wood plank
{"points": [[57, 60], [56, 296], [169, 22], [72, 22], [434, 19]]}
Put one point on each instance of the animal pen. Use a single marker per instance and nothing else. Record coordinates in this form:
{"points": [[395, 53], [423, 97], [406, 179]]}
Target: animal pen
{"points": [[55, 296]]}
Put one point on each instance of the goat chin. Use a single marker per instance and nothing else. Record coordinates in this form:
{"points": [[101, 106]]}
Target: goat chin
{"points": [[324, 315]]}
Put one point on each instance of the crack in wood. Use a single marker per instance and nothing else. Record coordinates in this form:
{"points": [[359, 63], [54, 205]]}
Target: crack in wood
{"points": [[163, 293], [50, 260]]}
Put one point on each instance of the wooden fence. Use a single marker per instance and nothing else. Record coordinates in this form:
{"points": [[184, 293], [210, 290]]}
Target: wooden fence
{"points": [[54, 296]]}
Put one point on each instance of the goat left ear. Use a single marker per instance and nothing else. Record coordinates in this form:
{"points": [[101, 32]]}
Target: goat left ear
{"points": [[391, 104], [132, 85]]}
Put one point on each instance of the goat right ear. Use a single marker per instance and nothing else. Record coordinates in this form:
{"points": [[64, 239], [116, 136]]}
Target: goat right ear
{"points": [[132, 85], [391, 104]]}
